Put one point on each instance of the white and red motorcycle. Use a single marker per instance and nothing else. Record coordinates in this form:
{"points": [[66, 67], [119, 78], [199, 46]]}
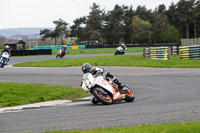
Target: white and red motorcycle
{"points": [[104, 91], [61, 53]]}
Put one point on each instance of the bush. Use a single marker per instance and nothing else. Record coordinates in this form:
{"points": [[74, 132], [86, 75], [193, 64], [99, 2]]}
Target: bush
{"points": [[170, 35]]}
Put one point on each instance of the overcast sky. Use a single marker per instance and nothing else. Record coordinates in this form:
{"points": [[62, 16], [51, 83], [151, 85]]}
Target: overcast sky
{"points": [[42, 13]]}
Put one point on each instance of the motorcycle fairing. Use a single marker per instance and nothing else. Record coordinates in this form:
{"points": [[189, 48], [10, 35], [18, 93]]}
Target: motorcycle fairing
{"points": [[119, 49], [89, 81]]}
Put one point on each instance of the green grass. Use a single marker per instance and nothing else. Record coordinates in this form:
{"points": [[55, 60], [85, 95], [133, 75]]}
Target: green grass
{"points": [[120, 60], [91, 51], [183, 127], [98, 51], [12, 94]]}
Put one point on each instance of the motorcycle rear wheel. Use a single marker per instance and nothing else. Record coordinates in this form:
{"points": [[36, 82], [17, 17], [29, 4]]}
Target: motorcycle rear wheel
{"points": [[105, 99], [130, 97]]}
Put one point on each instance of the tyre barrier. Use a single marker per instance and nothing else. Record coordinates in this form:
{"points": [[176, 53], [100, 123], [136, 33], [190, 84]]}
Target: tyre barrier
{"points": [[157, 53], [175, 50], [190, 52], [31, 52]]}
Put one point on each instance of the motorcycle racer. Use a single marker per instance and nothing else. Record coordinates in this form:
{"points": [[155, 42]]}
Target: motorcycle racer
{"points": [[62, 51], [121, 49], [7, 49], [124, 47], [64, 48], [95, 71]]}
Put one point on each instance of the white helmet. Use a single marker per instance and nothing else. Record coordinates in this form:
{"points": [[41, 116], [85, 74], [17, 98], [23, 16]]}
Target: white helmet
{"points": [[7, 47]]}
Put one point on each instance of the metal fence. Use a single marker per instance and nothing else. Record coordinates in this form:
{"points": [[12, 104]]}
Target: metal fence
{"points": [[190, 42]]}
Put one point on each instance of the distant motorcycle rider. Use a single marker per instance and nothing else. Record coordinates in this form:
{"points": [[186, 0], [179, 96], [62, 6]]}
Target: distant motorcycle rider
{"points": [[7, 49], [64, 48], [62, 51], [124, 46], [95, 71]]}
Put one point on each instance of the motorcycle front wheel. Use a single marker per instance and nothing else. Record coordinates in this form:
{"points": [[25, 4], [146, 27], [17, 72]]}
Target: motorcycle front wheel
{"points": [[103, 98], [130, 97], [3, 64]]}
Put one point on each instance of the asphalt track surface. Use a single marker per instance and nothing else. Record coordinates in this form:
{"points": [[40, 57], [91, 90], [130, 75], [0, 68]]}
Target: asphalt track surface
{"points": [[162, 95]]}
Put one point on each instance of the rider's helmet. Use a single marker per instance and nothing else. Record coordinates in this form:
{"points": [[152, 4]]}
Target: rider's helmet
{"points": [[123, 45], [65, 45], [86, 67], [7, 47]]}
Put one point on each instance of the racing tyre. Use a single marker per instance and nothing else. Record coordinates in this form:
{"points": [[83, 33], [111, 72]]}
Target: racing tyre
{"points": [[3, 64], [130, 97], [103, 98]]}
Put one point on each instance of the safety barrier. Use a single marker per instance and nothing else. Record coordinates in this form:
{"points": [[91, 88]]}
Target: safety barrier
{"points": [[75, 47], [58, 47], [175, 50], [157, 53], [190, 52], [31, 52]]}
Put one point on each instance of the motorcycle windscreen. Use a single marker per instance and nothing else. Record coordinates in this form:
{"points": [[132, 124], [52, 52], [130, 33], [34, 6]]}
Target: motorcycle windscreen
{"points": [[5, 55]]}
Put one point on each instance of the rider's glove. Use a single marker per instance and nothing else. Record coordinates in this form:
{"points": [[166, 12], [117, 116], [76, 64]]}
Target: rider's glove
{"points": [[102, 70]]}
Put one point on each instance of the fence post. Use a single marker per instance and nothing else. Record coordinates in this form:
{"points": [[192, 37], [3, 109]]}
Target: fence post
{"points": [[177, 49], [144, 52], [172, 50], [169, 53]]}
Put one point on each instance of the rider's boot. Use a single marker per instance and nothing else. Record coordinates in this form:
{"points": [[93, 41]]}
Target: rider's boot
{"points": [[120, 85]]}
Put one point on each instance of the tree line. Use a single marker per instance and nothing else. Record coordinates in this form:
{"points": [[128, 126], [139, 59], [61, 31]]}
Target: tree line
{"points": [[123, 24]]}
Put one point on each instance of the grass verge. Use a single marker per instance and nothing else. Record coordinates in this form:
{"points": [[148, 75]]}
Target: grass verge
{"points": [[183, 127], [12, 94], [98, 51], [90, 51], [120, 60]]}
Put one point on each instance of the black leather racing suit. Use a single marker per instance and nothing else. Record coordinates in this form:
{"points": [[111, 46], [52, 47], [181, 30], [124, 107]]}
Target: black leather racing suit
{"points": [[6, 50]]}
